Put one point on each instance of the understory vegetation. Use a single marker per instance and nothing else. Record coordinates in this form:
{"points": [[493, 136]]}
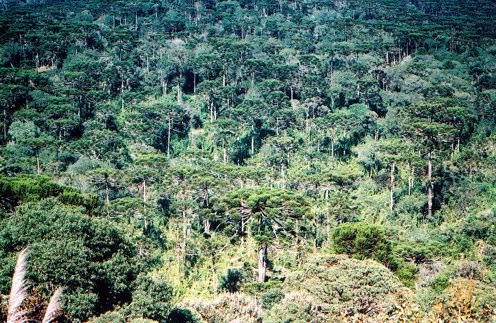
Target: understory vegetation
{"points": [[250, 160]]}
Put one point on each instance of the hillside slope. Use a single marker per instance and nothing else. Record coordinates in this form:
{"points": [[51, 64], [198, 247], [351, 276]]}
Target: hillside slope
{"points": [[161, 159]]}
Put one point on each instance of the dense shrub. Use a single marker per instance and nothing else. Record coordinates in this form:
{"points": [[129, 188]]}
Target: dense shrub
{"points": [[89, 256], [231, 282], [226, 308], [330, 287], [465, 300], [362, 241], [440, 283], [152, 299]]}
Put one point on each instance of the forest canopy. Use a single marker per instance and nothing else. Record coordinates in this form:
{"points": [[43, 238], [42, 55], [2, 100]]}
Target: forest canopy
{"points": [[305, 160]]}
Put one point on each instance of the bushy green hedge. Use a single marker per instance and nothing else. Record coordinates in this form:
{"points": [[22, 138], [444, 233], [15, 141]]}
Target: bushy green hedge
{"points": [[89, 256], [31, 188], [361, 241], [368, 241], [328, 287]]}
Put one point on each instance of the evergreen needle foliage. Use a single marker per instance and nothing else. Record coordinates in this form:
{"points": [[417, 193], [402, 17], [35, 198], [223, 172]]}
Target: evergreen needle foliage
{"points": [[248, 160]]}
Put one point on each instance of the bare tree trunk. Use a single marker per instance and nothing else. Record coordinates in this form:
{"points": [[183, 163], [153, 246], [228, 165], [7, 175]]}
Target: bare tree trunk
{"points": [[144, 199], [214, 276], [163, 83], [206, 224], [185, 230], [5, 124], [194, 83], [179, 95], [391, 203], [252, 142], [430, 188], [243, 226], [410, 179], [107, 199], [122, 95], [169, 135], [184, 243], [211, 112], [262, 262], [283, 177], [38, 167]]}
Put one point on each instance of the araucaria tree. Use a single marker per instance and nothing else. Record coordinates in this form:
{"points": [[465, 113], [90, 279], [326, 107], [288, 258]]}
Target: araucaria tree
{"points": [[269, 215]]}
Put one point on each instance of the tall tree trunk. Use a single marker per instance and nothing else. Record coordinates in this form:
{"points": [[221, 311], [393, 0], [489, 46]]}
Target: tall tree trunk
{"points": [[194, 83], [252, 140], [430, 188], [262, 262], [410, 179], [214, 275], [38, 167], [144, 199], [283, 177], [169, 125], [107, 198], [184, 243], [211, 112], [5, 124], [206, 224], [179, 95], [391, 203], [163, 84]]}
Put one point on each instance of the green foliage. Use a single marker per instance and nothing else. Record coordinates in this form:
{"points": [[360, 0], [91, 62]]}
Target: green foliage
{"points": [[183, 139], [21, 189], [231, 281], [221, 308], [114, 317], [181, 315], [440, 283], [259, 289], [331, 286], [151, 299], [272, 212], [271, 297], [90, 257], [362, 240]]}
